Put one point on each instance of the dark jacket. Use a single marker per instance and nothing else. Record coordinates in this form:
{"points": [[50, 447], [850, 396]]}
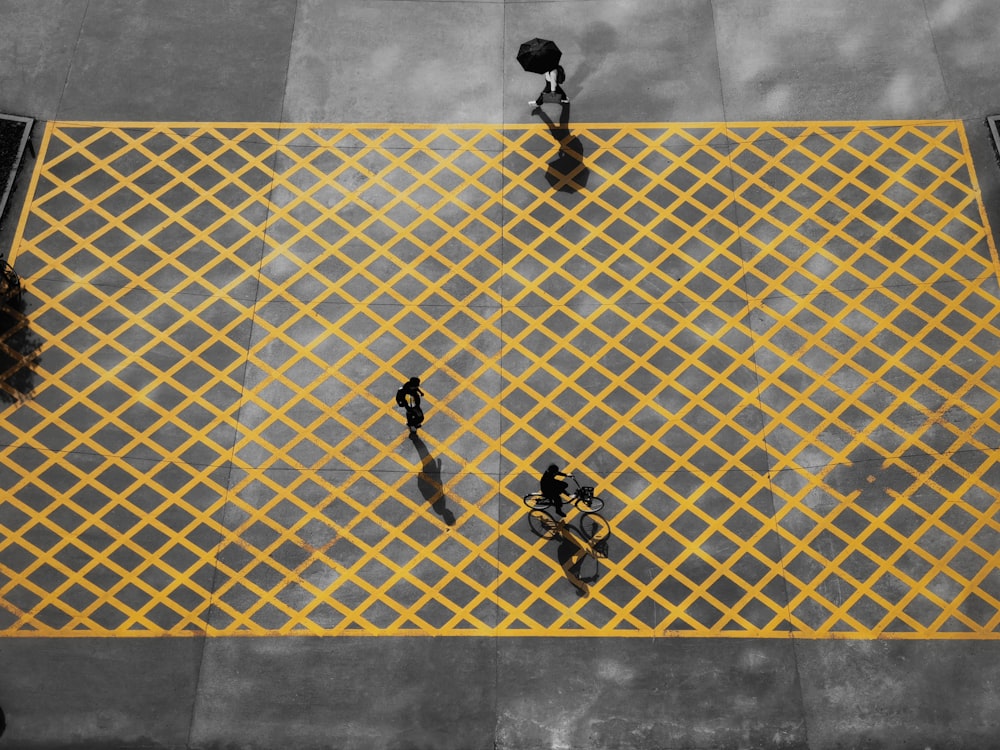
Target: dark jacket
{"points": [[551, 485]]}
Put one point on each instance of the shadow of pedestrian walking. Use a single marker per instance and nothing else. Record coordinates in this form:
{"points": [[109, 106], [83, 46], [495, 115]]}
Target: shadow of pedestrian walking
{"points": [[429, 481], [567, 172]]}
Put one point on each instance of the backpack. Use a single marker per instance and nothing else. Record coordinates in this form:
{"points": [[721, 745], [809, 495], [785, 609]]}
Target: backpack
{"points": [[414, 416], [401, 398]]}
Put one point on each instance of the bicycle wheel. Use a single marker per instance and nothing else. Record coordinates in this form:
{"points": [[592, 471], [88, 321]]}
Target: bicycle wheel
{"points": [[595, 529], [542, 524], [536, 500], [590, 504]]}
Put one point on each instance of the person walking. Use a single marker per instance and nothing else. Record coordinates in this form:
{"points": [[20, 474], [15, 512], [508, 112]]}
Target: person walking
{"points": [[553, 80], [408, 397], [552, 486]]}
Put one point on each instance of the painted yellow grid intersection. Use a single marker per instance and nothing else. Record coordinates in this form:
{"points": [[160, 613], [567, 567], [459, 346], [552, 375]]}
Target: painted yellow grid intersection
{"points": [[771, 346]]}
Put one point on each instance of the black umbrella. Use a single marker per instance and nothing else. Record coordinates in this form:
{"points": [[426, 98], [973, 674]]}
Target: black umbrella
{"points": [[539, 56]]}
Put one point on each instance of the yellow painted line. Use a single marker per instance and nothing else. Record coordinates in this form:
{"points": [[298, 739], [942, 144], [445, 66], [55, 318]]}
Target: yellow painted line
{"points": [[724, 319], [40, 158]]}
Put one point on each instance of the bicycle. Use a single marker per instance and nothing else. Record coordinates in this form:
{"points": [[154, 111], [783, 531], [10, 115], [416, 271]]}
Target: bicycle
{"points": [[583, 499], [593, 529]]}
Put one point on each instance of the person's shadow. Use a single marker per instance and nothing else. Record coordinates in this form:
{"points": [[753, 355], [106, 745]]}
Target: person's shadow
{"points": [[572, 559], [429, 481], [567, 172]]}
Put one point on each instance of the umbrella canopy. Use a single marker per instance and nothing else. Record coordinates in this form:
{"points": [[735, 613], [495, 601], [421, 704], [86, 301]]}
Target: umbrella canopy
{"points": [[538, 55]]}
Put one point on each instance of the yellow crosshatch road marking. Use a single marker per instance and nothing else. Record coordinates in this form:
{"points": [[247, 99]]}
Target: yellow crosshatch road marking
{"points": [[771, 347]]}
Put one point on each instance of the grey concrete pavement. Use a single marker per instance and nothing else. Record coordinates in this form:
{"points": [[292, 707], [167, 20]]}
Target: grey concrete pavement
{"points": [[36, 50], [90, 693], [396, 62], [510, 693], [175, 61], [815, 60], [390, 61]]}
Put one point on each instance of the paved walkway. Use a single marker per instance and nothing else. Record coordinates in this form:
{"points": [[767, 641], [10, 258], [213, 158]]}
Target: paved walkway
{"points": [[770, 346]]}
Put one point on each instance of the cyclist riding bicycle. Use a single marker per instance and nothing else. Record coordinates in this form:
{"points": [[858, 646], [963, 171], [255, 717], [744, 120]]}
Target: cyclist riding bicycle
{"points": [[554, 488]]}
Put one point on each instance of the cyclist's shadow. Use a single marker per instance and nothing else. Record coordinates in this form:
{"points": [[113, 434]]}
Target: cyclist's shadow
{"points": [[573, 560], [429, 481]]}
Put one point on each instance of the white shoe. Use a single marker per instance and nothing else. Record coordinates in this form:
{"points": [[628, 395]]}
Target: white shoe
{"points": [[532, 104]]}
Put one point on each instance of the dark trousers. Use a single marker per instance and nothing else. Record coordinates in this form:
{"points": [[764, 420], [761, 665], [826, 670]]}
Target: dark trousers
{"points": [[414, 416], [555, 494], [559, 91]]}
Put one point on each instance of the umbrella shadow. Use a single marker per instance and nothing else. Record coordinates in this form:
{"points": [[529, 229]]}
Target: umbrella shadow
{"points": [[429, 481], [566, 173], [19, 347]]}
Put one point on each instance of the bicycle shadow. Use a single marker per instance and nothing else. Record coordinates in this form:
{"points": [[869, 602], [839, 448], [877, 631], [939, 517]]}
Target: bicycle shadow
{"points": [[429, 481], [582, 545], [567, 172]]}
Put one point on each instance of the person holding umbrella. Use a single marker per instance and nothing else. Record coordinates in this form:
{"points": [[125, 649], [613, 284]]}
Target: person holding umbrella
{"points": [[553, 78], [542, 56]]}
